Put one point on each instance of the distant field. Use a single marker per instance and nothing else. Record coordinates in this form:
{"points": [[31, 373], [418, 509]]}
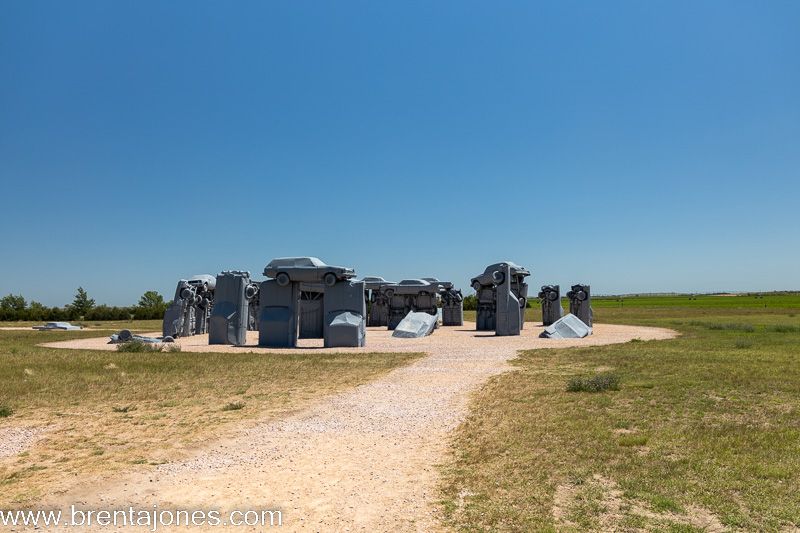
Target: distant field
{"points": [[770, 300], [703, 433], [104, 412], [644, 309]]}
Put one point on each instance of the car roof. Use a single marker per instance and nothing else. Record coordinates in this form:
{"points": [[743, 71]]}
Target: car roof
{"points": [[413, 282], [296, 262]]}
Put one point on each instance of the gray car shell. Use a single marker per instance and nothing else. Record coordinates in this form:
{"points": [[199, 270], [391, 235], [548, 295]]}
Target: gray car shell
{"points": [[412, 286], [307, 270]]}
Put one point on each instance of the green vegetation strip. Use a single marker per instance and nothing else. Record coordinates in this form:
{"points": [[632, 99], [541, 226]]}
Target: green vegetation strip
{"points": [[703, 432]]}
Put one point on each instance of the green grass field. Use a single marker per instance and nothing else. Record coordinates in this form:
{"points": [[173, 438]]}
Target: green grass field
{"points": [[103, 411], [703, 433]]}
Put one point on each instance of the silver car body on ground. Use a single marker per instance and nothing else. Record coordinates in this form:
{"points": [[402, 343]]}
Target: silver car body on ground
{"points": [[61, 326]]}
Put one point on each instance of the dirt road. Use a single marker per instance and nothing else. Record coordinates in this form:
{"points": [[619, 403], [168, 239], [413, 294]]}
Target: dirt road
{"points": [[363, 460]]}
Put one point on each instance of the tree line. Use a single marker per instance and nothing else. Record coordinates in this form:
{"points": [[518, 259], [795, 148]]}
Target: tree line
{"points": [[14, 307]]}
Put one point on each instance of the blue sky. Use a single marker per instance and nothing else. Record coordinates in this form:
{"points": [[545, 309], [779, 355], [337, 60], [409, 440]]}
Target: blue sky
{"points": [[637, 146]]}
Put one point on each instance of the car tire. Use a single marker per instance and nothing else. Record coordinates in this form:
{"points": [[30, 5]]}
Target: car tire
{"points": [[498, 277], [283, 279], [329, 279], [250, 291], [389, 293]]}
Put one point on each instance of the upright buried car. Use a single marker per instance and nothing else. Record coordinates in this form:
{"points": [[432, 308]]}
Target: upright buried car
{"points": [[306, 269], [486, 291]]}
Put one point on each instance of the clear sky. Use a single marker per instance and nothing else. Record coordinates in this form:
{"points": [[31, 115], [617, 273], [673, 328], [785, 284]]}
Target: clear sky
{"points": [[637, 146]]}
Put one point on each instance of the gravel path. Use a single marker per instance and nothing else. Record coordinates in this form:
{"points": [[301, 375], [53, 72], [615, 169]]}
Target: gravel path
{"points": [[362, 460]]}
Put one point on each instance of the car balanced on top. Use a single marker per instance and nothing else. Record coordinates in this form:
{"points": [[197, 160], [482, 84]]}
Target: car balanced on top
{"points": [[306, 270]]}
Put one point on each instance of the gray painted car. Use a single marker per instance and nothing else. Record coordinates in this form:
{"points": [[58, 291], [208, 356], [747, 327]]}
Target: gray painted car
{"points": [[412, 286], [306, 269], [443, 285], [375, 282]]}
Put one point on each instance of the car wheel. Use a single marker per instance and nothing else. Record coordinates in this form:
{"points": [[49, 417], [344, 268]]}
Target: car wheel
{"points": [[498, 277], [476, 286], [581, 295], [283, 279], [523, 303], [552, 296], [330, 279], [389, 293]]}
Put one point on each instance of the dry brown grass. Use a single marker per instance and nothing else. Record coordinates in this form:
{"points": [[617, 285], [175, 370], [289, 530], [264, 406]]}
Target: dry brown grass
{"points": [[106, 412]]}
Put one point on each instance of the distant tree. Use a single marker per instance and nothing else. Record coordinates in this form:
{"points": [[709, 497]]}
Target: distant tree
{"points": [[12, 307], [37, 311], [82, 304], [470, 302], [12, 303], [151, 305], [152, 300]]}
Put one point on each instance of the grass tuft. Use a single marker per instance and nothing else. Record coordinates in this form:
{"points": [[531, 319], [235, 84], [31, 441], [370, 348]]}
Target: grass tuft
{"points": [[632, 440], [5, 411], [233, 406], [123, 408], [596, 383], [741, 344]]}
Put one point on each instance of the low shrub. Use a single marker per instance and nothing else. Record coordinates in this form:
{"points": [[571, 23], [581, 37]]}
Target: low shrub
{"points": [[596, 383], [5, 411], [136, 346]]}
